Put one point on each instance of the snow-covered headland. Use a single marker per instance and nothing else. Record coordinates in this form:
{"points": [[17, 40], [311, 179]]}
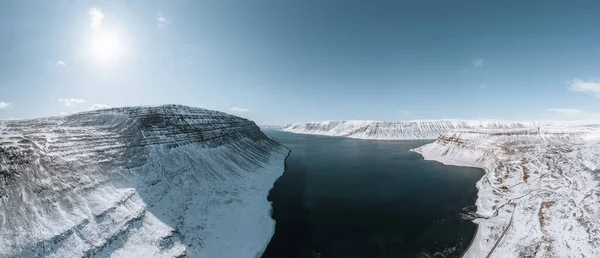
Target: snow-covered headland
{"points": [[163, 181], [539, 196]]}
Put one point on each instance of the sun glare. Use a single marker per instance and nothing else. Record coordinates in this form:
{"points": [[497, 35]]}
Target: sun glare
{"points": [[106, 43], [106, 47]]}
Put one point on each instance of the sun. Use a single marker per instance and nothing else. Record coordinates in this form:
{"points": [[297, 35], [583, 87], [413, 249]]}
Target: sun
{"points": [[107, 42], [106, 47]]}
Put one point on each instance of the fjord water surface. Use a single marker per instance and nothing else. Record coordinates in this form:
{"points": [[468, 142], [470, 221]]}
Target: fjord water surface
{"points": [[343, 197]]}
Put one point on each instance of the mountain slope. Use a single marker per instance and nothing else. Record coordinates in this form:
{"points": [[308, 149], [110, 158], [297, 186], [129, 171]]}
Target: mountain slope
{"points": [[539, 196], [160, 181], [397, 130]]}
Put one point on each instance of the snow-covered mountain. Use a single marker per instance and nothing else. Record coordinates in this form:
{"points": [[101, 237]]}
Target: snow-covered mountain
{"points": [[426, 129], [162, 181], [539, 196]]}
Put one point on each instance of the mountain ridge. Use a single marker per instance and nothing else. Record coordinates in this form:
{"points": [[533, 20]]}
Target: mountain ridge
{"points": [[398, 130], [163, 181]]}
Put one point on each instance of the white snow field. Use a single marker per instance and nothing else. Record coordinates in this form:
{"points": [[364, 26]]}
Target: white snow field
{"points": [[423, 129], [165, 181], [539, 196]]}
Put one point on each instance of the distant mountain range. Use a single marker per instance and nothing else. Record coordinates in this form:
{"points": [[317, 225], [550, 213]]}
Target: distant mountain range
{"points": [[423, 129]]}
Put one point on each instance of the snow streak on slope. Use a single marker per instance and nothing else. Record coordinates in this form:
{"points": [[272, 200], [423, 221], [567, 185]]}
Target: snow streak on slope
{"points": [[396, 130], [539, 196], [162, 181]]}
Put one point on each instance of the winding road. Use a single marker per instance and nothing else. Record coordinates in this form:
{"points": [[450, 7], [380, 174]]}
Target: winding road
{"points": [[503, 233]]}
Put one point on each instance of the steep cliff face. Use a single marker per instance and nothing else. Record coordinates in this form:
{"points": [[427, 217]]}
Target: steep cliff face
{"points": [[160, 181], [539, 196], [397, 130]]}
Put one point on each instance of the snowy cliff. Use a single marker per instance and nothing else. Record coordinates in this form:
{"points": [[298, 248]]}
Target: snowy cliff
{"points": [[539, 196], [162, 181], [397, 130]]}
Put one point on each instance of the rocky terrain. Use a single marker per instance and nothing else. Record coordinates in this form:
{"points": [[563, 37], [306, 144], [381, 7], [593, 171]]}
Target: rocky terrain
{"points": [[539, 196], [164, 181]]}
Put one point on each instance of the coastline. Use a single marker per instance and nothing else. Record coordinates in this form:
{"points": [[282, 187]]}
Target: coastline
{"points": [[264, 249], [454, 162], [472, 240]]}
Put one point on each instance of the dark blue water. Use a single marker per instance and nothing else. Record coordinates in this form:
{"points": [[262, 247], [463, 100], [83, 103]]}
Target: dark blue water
{"points": [[348, 198]]}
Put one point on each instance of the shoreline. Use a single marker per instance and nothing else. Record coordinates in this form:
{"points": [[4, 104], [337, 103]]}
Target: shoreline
{"points": [[472, 240], [453, 162], [271, 202]]}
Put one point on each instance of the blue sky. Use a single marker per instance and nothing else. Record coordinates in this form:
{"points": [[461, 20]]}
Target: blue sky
{"points": [[287, 61]]}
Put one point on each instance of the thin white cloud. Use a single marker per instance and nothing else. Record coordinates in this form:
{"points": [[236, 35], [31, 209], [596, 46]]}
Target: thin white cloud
{"points": [[591, 87], [238, 109], [565, 111], [71, 102], [4, 105], [482, 86], [161, 20], [63, 113], [96, 17], [478, 63], [404, 112], [99, 106], [60, 63]]}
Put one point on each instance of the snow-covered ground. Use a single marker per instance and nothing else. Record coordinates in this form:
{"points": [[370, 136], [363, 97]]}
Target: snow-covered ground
{"points": [[160, 181], [539, 196], [418, 129]]}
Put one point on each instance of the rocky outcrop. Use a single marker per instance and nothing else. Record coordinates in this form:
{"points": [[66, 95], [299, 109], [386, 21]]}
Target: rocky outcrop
{"points": [[163, 181]]}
